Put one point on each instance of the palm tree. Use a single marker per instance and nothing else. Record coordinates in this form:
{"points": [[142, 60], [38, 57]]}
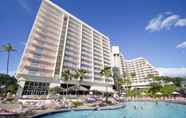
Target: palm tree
{"points": [[127, 82], [79, 75], [154, 87], [66, 77], [127, 78], [120, 82], [116, 77], [106, 72], [7, 48]]}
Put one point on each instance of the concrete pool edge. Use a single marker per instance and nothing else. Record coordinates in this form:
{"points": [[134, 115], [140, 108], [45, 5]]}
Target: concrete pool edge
{"points": [[169, 101], [113, 107]]}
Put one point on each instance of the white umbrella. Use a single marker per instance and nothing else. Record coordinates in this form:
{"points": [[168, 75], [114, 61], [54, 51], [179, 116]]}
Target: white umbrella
{"points": [[175, 93], [90, 92], [123, 93], [158, 93]]}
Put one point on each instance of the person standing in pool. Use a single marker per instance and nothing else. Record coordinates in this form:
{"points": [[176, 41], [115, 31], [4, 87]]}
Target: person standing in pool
{"points": [[135, 107]]}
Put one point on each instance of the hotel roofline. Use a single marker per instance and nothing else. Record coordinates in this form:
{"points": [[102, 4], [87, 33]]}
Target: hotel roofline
{"points": [[61, 9]]}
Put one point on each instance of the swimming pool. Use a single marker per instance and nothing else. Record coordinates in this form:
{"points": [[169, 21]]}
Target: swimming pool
{"points": [[132, 110]]}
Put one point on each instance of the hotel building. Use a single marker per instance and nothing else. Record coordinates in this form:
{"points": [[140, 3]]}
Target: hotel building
{"points": [[60, 41], [138, 70]]}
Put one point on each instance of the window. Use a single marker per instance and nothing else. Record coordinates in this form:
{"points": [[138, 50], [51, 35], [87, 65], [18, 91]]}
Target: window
{"points": [[39, 50]]}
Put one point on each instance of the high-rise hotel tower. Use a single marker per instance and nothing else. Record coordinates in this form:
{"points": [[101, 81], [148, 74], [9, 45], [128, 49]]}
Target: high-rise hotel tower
{"points": [[139, 71], [60, 41]]}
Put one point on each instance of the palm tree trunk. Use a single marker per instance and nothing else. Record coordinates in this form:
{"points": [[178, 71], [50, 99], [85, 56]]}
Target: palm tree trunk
{"points": [[67, 89], [7, 67], [106, 94], [78, 85], [106, 91], [76, 91]]}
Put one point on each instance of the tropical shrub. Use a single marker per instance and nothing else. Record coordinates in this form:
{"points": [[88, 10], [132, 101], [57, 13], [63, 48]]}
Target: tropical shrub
{"points": [[166, 90], [77, 103]]}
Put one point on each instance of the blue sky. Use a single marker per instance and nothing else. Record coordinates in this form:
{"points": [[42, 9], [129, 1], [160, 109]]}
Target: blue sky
{"points": [[153, 29]]}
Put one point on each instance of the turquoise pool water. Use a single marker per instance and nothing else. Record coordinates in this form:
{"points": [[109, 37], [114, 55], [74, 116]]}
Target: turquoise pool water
{"points": [[132, 110]]}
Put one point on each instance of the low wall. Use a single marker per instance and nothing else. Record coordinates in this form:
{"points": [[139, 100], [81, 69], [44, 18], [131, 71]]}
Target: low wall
{"points": [[82, 109], [30, 100]]}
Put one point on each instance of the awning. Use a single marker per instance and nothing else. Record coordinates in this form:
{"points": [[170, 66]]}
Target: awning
{"points": [[102, 89], [79, 88]]}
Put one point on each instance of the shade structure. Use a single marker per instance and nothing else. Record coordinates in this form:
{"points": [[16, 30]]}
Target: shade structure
{"points": [[175, 93], [102, 89], [79, 88], [158, 93]]}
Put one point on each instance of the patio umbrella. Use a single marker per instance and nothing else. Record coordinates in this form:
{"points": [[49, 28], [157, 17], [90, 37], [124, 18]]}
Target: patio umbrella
{"points": [[158, 93], [90, 92], [175, 93], [123, 93]]}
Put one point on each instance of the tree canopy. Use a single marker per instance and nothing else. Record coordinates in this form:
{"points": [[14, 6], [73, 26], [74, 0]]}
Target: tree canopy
{"points": [[7, 84], [175, 80]]}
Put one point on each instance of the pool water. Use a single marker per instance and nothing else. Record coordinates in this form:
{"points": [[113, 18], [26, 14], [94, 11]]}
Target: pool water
{"points": [[132, 110]]}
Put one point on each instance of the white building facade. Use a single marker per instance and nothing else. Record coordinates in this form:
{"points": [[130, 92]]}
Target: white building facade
{"points": [[139, 71], [59, 41]]}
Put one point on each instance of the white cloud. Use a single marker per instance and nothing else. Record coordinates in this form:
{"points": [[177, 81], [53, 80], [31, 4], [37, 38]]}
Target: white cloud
{"points": [[166, 21], [24, 5], [181, 45], [168, 13], [155, 24], [172, 72], [181, 22]]}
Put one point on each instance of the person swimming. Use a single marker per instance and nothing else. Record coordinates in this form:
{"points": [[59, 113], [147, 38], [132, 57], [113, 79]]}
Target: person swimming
{"points": [[135, 107]]}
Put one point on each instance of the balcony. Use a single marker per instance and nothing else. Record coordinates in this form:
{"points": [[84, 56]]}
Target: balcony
{"points": [[48, 36], [48, 6], [87, 40], [45, 55], [43, 23], [46, 41], [41, 60], [86, 48]]}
